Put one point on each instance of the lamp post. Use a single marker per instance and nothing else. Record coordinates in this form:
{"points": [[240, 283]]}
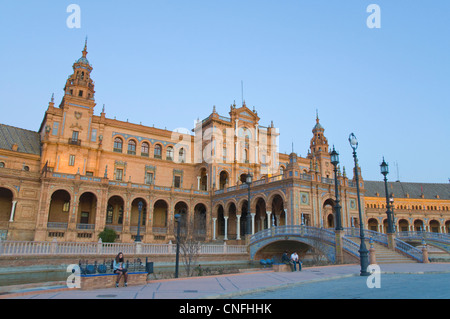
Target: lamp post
{"points": [[177, 258], [363, 252], [384, 168], [138, 235], [334, 157], [248, 228]]}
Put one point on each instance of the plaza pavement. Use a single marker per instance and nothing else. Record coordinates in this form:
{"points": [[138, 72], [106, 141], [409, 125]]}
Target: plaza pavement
{"points": [[226, 286]]}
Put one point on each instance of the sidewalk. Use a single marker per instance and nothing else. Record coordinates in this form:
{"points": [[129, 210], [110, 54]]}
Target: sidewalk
{"points": [[224, 286]]}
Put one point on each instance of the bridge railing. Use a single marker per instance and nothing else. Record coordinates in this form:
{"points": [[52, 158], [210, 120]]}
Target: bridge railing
{"points": [[442, 237], [350, 246], [409, 250], [376, 236], [303, 231]]}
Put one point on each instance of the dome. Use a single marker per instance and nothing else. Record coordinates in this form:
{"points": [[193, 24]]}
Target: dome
{"points": [[83, 60]]}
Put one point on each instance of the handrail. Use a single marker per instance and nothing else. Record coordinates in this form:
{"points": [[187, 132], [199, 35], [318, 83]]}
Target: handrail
{"points": [[14, 248], [304, 231], [408, 249]]}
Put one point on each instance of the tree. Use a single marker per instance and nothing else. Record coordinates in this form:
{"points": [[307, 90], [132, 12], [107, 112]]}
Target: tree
{"points": [[108, 235], [192, 236]]}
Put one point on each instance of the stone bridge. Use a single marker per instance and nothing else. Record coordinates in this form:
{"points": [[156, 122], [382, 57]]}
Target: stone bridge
{"points": [[275, 240]]}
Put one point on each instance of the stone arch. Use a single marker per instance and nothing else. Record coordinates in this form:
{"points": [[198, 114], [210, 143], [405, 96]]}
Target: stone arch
{"points": [[419, 225], [134, 213], [87, 210], [160, 213], [182, 208], [115, 211], [60, 206], [329, 218], [403, 225], [6, 203], [224, 177], [372, 224], [434, 226], [200, 219]]}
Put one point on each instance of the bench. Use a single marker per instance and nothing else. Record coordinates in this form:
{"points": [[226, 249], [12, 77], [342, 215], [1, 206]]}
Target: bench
{"points": [[99, 281]]}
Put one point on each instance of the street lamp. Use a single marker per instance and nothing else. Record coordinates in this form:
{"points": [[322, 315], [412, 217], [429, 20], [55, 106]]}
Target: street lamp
{"points": [[363, 252], [334, 157], [138, 235], [177, 258], [384, 168], [248, 181]]}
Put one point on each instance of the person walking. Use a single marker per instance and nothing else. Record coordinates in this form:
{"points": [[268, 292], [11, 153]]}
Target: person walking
{"points": [[119, 268]]}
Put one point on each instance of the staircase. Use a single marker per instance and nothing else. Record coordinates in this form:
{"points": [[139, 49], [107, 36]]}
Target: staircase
{"points": [[385, 255]]}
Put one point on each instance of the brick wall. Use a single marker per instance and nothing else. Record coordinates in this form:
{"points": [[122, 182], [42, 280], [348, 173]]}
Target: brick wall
{"points": [[89, 282]]}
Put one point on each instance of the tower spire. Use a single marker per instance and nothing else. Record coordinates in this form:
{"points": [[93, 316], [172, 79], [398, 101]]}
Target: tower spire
{"points": [[85, 48]]}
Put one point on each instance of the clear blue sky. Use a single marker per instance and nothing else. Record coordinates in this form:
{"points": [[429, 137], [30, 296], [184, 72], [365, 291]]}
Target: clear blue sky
{"points": [[168, 62]]}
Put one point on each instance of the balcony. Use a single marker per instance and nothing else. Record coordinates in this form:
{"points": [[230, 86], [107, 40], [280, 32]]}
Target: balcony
{"points": [[76, 142]]}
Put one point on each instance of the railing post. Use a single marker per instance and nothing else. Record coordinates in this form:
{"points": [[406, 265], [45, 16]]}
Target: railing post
{"points": [[225, 247], [425, 252], [339, 247], [54, 246], [99, 246], [372, 257], [391, 241]]}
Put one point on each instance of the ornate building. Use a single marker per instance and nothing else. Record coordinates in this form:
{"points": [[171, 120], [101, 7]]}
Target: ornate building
{"points": [[81, 173]]}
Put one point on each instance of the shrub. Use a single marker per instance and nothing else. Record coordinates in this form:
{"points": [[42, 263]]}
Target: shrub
{"points": [[108, 235]]}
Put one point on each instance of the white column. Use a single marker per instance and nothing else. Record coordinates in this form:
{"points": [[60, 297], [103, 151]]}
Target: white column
{"points": [[214, 228], [198, 182], [13, 210], [253, 222], [269, 220], [207, 182], [238, 227], [226, 228]]}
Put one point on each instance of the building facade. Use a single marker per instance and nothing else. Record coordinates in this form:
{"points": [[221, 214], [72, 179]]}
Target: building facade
{"points": [[81, 173]]}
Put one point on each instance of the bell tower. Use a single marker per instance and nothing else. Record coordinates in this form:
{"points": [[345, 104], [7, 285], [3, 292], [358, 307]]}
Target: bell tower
{"points": [[79, 88], [319, 143], [319, 154]]}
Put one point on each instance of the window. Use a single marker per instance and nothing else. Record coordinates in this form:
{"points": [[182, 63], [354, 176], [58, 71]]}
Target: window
{"points": [[181, 155], [89, 173], [144, 149], [71, 160], [177, 182], [80, 93], [148, 178], [119, 174], [66, 206], [118, 145], [94, 135], [55, 128], [75, 136], [131, 147], [157, 151], [2, 164], [109, 214], [169, 153]]}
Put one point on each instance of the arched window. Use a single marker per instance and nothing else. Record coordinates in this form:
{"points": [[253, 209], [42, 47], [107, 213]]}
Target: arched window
{"points": [[169, 153], [132, 147], [181, 155], [144, 149], [118, 145], [157, 152]]}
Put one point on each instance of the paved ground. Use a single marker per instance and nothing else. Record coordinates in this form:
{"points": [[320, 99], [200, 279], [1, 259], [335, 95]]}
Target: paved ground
{"points": [[238, 285]]}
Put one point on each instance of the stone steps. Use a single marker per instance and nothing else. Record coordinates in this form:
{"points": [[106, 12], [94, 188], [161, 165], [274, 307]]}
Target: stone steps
{"points": [[384, 255]]}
